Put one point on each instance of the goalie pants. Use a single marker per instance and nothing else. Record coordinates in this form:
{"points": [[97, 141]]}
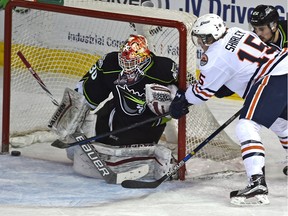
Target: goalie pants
{"points": [[139, 135]]}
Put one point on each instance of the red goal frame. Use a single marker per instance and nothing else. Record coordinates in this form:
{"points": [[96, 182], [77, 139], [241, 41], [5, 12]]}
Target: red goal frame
{"points": [[94, 14]]}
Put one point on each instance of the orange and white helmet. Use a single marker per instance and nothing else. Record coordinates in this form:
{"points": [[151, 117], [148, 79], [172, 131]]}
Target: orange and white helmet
{"points": [[134, 53]]}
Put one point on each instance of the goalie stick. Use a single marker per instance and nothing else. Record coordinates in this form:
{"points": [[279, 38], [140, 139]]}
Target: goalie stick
{"points": [[154, 184], [38, 79], [108, 175], [59, 144]]}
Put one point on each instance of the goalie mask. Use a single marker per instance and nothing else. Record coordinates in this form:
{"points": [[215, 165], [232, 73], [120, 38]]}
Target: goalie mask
{"points": [[133, 57], [207, 29]]}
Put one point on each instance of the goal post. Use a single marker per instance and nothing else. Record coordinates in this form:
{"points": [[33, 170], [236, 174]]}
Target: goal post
{"points": [[62, 42]]}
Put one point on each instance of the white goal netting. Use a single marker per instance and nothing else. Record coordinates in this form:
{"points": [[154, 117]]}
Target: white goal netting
{"points": [[62, 46]]}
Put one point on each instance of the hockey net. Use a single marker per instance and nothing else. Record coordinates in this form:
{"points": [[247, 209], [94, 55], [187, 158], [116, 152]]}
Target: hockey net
{"points": [[62, 42]]}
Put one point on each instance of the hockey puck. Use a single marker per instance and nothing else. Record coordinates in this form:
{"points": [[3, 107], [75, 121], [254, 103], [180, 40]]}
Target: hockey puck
{"points": [[285, 170], [15, 153]]}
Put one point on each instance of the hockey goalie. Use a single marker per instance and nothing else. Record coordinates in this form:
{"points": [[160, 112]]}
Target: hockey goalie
{"points": [[122, 88]]}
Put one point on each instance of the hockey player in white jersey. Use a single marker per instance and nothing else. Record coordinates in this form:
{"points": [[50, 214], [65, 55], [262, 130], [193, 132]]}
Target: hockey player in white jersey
{"points": [[258, 73]]}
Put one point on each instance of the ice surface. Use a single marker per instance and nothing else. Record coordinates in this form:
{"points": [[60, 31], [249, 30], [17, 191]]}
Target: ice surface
{"points": [[41, 182]]}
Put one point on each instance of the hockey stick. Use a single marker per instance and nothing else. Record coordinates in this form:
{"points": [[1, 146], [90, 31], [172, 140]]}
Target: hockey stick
{"points": [[154, 184], [59, 144], [35, 75]]}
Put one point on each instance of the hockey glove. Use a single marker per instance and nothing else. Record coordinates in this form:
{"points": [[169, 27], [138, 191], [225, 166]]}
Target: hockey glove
{"points": [[179, 105]]}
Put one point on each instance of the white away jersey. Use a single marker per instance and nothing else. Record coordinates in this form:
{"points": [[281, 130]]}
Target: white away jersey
{"points": [[237, 60]]}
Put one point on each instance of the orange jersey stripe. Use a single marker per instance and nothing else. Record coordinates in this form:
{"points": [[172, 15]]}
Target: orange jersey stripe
{"points": [[284, 142], [256, 97], [197, 89], [265, 68], [284, 50], [251, 148]]}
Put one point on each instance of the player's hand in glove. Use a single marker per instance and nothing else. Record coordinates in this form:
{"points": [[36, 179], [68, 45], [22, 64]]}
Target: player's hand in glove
{"points": [[179, 105]]}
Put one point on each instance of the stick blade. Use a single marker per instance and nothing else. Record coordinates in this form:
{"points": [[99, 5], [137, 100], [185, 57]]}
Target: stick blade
{"points": [[142, 184], [59, 144]]}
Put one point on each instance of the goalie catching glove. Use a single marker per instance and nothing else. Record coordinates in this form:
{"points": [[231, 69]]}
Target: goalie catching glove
{"points": [[159, 97]]}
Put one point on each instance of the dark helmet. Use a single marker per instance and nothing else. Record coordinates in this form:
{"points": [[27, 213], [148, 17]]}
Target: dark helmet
{"points": [[264, 15]]}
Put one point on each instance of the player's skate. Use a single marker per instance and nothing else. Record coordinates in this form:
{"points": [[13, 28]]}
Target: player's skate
{"points": [[254, 194]]}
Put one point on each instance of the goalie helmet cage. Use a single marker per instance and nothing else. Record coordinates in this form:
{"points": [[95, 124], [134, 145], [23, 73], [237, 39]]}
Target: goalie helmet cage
{"points": [[63, 42]]}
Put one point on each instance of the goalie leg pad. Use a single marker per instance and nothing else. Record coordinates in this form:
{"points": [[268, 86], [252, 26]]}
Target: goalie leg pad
{"points": [[164, 163], [70, 113], [83, 165], [136, 150], [158, 158], [126, 170]]}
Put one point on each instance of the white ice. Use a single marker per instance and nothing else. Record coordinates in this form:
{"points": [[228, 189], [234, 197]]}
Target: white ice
{"points": [[41, 182]]}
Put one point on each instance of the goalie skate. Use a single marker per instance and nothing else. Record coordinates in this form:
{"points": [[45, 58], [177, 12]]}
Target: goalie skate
{"points": [[254, 194]]}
